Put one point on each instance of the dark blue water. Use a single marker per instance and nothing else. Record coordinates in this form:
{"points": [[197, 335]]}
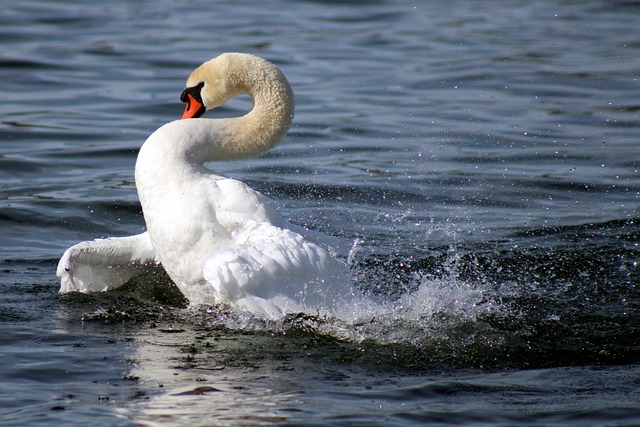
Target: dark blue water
{"points": [[482, 160]]}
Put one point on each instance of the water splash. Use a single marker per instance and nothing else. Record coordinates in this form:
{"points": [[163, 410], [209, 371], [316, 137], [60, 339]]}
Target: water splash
{"points": [[353, 251], [406, 308]]}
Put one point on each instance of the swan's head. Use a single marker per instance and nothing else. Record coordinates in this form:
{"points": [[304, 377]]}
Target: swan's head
{"points": [[205, 89], [214, 83], [220, 79]]}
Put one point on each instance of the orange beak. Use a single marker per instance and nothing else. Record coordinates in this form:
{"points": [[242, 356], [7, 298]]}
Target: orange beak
{"points": [[193, 109]]}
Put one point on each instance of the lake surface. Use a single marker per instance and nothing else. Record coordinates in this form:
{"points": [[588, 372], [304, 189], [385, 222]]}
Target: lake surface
{"points": [[481, 159]]}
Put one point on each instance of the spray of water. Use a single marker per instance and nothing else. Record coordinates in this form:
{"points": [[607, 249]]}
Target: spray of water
{"points": [[423, 306]]}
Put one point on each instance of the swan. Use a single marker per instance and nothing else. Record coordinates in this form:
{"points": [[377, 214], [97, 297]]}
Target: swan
{"points": [[219, 240]]}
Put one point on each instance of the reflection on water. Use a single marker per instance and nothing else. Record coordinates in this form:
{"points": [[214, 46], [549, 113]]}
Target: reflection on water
{"points": [[207, 376]]}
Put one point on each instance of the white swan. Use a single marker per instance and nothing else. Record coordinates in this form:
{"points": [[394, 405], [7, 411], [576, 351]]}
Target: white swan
{"points": [[218, 239]]}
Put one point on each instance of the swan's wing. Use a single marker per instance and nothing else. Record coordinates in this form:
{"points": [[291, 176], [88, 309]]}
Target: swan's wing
{"points": [[275, 271], [104, 264], [238, 203]]}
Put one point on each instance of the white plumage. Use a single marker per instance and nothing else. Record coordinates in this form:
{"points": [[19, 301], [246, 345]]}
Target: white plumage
{"points": [[219, 240]]}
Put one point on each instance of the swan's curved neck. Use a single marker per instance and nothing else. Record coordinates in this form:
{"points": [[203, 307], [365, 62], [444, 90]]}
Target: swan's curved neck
{"points": [[190, 143], [261, 128]]}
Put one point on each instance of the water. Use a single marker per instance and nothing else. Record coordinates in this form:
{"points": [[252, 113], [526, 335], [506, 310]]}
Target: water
{"points": [[481, 159]]}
